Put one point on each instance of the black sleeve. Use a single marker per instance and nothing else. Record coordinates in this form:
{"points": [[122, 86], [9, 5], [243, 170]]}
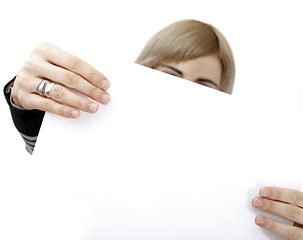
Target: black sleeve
{"points": [[27, 122]]}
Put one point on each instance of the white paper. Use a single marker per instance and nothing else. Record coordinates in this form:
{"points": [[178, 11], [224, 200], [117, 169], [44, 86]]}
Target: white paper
{"points": [[166, 159]]}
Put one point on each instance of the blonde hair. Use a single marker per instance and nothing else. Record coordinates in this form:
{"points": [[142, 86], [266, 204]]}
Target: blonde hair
{"points": [[190, 39]]}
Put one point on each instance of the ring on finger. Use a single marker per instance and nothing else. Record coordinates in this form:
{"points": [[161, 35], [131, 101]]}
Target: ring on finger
{"points": [[44, 88]]}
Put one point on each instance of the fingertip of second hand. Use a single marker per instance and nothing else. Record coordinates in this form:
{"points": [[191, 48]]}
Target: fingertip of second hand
{"points": [[260, 220], [105, 98], [104, 84]]}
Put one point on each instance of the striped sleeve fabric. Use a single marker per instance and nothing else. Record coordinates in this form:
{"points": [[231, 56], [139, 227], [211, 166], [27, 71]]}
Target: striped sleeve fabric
{"points": [[27, 122], [29, 142]]}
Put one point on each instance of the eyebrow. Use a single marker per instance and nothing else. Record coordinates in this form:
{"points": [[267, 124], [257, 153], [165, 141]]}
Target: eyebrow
{"points": [[200, 80]]}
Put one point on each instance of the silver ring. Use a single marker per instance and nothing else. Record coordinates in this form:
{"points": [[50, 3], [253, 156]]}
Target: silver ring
{"points": [[44, 88], [48, 89], [40, 86]]}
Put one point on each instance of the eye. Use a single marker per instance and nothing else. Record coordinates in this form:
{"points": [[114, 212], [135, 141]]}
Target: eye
{"points": [[207, 83], [168, 72], [173, 74]]}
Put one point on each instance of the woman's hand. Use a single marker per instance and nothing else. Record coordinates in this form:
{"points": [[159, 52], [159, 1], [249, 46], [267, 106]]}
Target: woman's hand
{"points": [[65, 70], [284, 202]]}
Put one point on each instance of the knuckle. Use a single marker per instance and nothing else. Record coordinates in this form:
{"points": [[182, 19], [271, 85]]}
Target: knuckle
{"points": [[269, 225], [42, 50], [41, 47], [33, 63], [93, 76], [275, 193], [45, 106], [95, 92], [268, 205], [294, 213], [297, 198], [63, 111], [23, 82], [30, 65], [57, 92], [73, 62], [81, 103], [294, 233], [21, 77], [71, 79]]}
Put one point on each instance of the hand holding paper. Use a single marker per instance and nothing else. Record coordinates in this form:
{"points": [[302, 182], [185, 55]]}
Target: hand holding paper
{"points": [[283, 202], [63, 70]]}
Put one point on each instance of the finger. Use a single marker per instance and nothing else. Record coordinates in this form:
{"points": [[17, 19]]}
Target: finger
{"points": [[33, 101], [282, 229], [283, 194], [286, 210], [70, 62], [63, 95], [74, 81]]}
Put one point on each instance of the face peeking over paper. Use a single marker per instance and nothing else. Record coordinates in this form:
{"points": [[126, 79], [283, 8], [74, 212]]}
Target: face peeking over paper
{"points": [[192, 50]]}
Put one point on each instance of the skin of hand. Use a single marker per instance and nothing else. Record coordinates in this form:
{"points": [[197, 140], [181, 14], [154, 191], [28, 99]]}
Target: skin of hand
{"points": [[53, 64], [284, 202]]}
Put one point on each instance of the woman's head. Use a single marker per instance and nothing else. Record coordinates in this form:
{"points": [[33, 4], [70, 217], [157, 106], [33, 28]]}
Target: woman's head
{"points": [[192, 48]]}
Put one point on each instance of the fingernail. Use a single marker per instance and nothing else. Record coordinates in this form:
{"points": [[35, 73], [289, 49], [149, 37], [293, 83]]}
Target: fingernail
{"points": [[104, 84], [261, 221], [104, 98], [258, 202], [74, 113], [265, 192], [92, 107]]}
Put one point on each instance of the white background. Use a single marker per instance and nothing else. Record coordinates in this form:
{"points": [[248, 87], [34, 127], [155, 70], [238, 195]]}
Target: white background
{"points": [[266, 39]]}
